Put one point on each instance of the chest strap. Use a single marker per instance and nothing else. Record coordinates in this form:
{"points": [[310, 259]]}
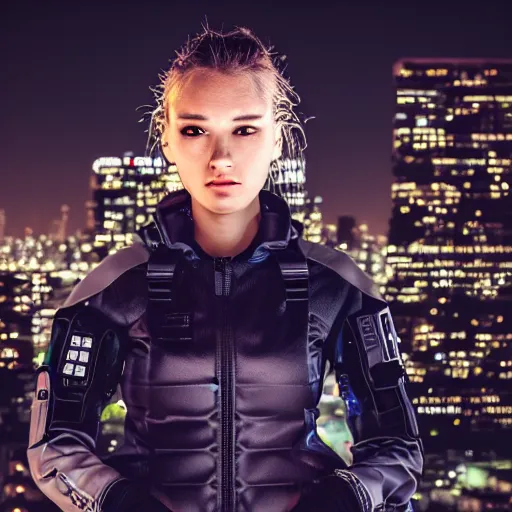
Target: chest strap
{"points": [[161, 268], [295, 272]]}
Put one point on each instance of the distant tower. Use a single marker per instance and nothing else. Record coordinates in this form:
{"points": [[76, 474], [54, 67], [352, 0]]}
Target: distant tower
{"points": [[90, 207], [288, 180], [346, 231], [125, 193], [313, 222], [2, 225], [63, 224]]}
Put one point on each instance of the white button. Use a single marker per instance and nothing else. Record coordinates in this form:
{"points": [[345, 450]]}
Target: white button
{"points": [[68, 369], [84, 357], [79, 370], [87, 342], [72, 355], [75, 341]]}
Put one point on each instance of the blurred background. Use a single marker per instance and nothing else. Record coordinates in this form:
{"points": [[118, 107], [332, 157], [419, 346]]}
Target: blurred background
{"points": [[408, 169]]}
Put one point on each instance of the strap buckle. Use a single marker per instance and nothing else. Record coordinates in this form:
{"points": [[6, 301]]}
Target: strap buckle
{"points": [[160, 273], [295, 272]]}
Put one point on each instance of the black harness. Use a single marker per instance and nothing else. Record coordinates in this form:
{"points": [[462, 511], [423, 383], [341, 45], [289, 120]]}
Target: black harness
{"points": [[161, 270]]}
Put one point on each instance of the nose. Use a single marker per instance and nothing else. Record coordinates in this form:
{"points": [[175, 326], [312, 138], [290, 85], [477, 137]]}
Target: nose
{"points": [[221, 158]]}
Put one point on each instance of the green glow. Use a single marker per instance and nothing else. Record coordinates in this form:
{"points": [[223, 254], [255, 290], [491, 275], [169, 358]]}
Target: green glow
{"points": [[476, 477], [113, 412]]}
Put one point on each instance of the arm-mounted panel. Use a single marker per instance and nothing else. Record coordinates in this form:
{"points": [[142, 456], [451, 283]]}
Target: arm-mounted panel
{"points": [[81, 371], [387, 451], [85, 362]]}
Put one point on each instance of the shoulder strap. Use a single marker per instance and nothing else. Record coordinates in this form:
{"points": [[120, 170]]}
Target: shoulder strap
{"points": [[160, 273], [295, 272], [164, 322]]}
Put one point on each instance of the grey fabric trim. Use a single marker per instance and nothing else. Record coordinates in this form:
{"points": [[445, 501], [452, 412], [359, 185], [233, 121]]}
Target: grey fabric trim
{"points": [[69, 474], [341, 263], [363, 495], [112, 267]]}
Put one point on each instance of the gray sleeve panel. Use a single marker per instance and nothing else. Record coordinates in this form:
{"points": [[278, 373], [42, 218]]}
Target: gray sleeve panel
{"points": [[341, 263], [63, 466], [112, 267]]}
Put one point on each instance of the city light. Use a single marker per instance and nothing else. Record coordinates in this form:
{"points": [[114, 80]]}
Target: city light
{"points": [[448, 250]]}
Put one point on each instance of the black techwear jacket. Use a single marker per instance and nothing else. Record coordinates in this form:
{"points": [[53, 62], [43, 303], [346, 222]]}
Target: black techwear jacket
{"points": [[221, 363]]}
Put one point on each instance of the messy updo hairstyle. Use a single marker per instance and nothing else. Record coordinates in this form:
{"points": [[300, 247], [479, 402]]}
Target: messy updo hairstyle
{"points": [[236, 51]]}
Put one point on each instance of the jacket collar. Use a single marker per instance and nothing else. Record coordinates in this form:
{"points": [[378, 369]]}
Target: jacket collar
{"points": [[173, 219]]}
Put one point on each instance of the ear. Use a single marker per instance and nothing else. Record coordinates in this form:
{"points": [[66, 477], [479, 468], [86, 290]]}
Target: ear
{"points": [[278, 143], [166, 149], [165, 145]]}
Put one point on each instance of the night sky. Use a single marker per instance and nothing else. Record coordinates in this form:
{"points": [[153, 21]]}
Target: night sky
{"points": [[75, 73]]}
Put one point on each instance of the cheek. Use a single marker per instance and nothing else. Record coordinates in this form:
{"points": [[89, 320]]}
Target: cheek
{"points": [[257, 147], [186, 150]]}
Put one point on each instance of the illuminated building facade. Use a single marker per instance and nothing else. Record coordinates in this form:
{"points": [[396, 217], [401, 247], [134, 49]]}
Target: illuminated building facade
{"points": [[450, 243], [36, 275], [313, 220], [370, 252], [288, 179], [125, 193], [367, 250]]}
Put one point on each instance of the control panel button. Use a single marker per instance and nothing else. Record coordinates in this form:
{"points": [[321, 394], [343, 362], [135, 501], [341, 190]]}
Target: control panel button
{"points": [[72, 355], [68, 369]]}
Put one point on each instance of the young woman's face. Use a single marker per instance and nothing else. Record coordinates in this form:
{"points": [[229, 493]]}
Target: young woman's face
{"points": [[221, 127]]}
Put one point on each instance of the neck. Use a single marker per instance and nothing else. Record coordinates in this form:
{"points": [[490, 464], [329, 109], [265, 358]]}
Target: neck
{"points": [[225, 235]]}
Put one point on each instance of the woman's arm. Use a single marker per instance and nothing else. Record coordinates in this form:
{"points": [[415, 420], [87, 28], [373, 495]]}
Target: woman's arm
{"points": [[387, 450], [81, 372]]}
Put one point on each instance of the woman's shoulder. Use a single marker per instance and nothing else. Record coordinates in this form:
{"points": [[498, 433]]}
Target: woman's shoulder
{"points": [[116, 284], [342, 264]]}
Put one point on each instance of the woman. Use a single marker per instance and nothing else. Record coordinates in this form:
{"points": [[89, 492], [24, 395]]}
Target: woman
{"points": [[220, 323]]}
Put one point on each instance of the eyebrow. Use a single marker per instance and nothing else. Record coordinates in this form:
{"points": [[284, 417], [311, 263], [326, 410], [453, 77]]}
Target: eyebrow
{"points": [[198, 117]]}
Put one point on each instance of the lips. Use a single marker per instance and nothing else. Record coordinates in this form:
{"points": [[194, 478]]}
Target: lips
{"points": [[222, 182]]}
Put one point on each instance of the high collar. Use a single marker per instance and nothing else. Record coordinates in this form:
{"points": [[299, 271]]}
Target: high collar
{"points": [[173, 218]]}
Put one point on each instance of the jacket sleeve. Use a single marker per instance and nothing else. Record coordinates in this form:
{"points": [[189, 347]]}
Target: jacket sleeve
{"points": [[387, 451], [80, 373]]}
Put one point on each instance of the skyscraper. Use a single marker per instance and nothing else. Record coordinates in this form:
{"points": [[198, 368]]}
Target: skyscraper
{"points": [[347, 232], [288, 179], [2, 225], [125, 194], [450, 243]]}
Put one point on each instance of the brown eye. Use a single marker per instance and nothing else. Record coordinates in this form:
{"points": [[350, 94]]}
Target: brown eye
{"points": [[191, 131], [244, 131]]}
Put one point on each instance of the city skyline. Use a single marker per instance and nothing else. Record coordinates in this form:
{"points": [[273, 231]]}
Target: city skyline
{"points": [[100, 68], [441, 195], [450, 244]]}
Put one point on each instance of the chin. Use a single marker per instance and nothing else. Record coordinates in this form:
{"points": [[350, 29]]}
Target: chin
{"points": [[225, 207], [228, 204]]}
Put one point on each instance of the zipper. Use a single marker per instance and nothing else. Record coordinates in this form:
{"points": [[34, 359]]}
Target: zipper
{"points": [[79, 498], [225, 376]]}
